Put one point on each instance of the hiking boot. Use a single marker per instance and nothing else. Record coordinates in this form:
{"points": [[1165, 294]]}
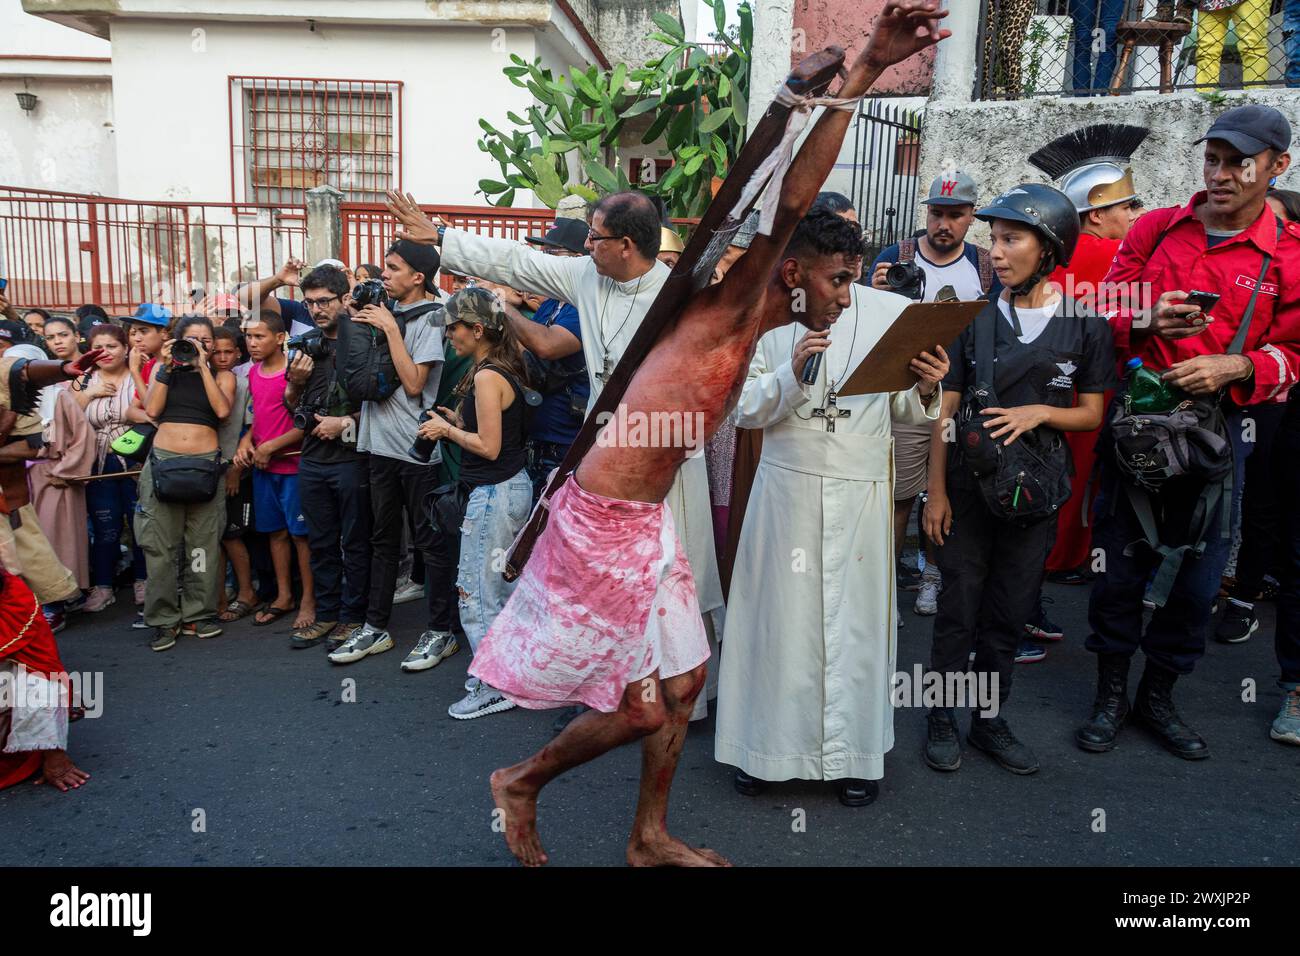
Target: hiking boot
{"points": [[204, 629], [1237, 623], [927, 601], [1111, 708], [164, 638], [994, 737], [365, 640], [1027, 652], [429, 650], [1286, 725], [1154, 705], [340, 634], [481, 701], [942, 743]]}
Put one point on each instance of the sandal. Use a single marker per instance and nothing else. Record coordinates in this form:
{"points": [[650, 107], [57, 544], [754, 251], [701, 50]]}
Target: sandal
{"points": [[275, 612], [236, 610], [311, 635]]}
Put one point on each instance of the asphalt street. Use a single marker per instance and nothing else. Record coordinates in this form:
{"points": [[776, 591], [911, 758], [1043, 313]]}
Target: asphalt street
{"points": [[257, 737]]}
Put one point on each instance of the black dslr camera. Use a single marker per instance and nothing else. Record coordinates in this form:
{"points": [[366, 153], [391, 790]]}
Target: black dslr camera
{"points": [[371, 292], [184, 353], [906, 278], [312, 344]]}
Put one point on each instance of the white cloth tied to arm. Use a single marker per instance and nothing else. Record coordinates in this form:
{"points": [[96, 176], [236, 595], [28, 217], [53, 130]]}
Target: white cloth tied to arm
{"points": [[764, 187]]}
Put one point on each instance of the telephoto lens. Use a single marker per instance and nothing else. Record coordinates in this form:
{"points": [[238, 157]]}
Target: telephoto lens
{"points": [[185, 352], [422, 448]]}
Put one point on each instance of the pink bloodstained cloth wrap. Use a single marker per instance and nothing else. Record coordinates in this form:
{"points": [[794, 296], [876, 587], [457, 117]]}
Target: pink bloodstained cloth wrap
{"points": [[606, 599]]}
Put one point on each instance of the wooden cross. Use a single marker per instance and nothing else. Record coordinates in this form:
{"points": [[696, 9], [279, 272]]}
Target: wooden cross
{"points": [[831, 412]]}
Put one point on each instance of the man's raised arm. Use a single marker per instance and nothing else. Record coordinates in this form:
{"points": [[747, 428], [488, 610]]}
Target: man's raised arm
{"points": [[904, 28], [498, 260]]}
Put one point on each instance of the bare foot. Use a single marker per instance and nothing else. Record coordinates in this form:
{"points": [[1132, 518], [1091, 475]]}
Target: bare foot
{"points": [[306, 617], [57, 769], [519, 807], [713, 855], [665, 850]]}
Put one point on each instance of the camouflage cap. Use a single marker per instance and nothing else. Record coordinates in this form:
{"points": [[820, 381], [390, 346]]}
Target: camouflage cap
{"points": [[476, 306]]}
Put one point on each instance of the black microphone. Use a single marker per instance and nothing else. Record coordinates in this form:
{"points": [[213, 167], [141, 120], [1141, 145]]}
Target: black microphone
{"points": [[812, 367]]}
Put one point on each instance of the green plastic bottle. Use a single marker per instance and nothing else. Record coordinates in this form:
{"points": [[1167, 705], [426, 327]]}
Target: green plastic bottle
{"points": [[1148, 393]]}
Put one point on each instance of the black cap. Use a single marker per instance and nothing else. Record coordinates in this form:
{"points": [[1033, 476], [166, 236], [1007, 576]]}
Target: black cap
{"points": [[568, 234], [1252, 129], [13, 332], [420, 257]]}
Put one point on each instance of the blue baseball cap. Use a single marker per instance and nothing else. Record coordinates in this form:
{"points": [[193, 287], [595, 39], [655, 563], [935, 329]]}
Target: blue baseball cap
{"points": [[150, 314]]}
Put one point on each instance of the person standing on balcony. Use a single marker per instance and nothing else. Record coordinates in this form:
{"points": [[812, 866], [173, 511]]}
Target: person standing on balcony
{"points": [[1095, 25], [1291, 39], [1004, 39], [1250, 18]]}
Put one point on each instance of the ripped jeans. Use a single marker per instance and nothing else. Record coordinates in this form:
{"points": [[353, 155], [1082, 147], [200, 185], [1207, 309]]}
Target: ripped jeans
{"points": [[493, 516]]}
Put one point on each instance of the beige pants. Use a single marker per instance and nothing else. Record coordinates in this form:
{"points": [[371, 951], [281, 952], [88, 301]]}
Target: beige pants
{"points": [[26, 552]]}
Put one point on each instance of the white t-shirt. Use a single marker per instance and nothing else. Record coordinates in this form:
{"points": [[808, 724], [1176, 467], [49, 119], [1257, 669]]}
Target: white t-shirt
{"points": [[962, 275], [1032, 321]]}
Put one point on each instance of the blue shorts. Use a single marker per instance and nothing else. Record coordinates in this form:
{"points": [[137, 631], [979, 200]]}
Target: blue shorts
{"points": [[276, 505]]}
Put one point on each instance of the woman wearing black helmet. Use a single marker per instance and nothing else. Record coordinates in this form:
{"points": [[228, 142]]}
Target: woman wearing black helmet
{"points": [[992, 503]]}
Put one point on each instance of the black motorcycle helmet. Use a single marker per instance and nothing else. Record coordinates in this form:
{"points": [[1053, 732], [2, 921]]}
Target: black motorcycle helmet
{"points": [[1049, 212]]}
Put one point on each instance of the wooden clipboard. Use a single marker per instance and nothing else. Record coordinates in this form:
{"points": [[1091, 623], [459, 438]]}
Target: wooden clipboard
{"points": [[917, 329]]}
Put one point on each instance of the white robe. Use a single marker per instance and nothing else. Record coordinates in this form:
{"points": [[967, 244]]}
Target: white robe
{"points": [[609, 312], [804, 689]]}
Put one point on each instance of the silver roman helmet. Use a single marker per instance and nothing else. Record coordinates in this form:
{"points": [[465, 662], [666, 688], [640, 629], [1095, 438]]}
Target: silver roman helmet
{"points": [[1091, 165]]}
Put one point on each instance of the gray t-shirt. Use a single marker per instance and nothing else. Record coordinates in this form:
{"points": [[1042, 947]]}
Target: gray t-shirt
{"points": [[388, 427], [232, 429]]}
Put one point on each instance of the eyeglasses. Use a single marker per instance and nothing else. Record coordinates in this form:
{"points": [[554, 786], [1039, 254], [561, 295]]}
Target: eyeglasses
{"points": [[319, 303]]}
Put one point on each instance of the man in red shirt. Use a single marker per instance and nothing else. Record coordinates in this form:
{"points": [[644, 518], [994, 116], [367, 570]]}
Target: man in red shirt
{"points": [[1217, 243]]}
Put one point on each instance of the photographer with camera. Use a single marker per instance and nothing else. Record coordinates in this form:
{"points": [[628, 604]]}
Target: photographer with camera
{"points": [[919, 269], [996, 486], [259, 296], [181, 496], [333, 477], [398, 325]]}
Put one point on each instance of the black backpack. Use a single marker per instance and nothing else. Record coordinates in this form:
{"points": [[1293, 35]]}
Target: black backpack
{"points": [[364, 364], [1026, 481]]}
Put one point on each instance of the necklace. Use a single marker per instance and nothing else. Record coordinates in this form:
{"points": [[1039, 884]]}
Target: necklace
{"points": [[828, 409], [607, 365]]}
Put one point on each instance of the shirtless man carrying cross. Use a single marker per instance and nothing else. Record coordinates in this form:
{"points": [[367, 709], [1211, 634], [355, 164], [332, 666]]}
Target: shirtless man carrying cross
{"points": [[605, 612]]}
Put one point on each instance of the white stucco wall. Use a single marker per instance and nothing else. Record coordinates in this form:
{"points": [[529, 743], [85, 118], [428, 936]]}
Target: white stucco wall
{"points": [[21, 33], [172, 96], [66, 143]]}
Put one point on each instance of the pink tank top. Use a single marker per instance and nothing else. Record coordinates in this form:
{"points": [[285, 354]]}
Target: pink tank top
{"points": [[270, 418]]}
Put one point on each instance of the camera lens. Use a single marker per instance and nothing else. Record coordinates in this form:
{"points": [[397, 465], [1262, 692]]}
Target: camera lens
{"points": [[422, 449], [185, 352]]}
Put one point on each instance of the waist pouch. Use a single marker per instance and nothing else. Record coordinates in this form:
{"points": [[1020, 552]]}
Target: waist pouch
{"points": [[1192, 440], [186, 480], [446, 506]]}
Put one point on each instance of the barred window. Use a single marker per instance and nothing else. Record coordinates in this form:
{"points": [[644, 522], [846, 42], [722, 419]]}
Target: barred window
{"points": [[289, 135]]}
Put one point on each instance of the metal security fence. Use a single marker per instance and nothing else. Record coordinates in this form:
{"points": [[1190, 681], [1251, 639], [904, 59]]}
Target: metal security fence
{"points": [[1097, 47], [887, 150], [63, 250]]}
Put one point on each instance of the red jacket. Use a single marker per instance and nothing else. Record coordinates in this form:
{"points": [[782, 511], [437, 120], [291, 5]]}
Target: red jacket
{"points": [[1181, 259], [1088, 267]]}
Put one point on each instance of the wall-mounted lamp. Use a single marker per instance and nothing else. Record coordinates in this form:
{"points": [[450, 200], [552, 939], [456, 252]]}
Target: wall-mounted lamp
{"points": [[26, 100]]}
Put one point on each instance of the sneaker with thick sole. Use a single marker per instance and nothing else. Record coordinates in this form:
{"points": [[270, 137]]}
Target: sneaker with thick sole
{"points": [[205, 630], [340, 634], [431, 649], [164, 638], [480, 702], [1041, 627], [1030, 653], [364, 641], [927, 601], [994, 737], [1236, 624], [100, 598], [407, 591], [942, 742], [1286, 725]]}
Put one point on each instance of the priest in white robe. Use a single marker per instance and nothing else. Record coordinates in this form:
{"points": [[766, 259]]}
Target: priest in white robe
{"points": [[610, 310], [806, 671]]}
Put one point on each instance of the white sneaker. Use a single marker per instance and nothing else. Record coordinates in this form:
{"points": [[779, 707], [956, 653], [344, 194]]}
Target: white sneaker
{"points": [[927, 599], [471, 683], [432, 648], [406, 591], [480, 702], [364, 641]]}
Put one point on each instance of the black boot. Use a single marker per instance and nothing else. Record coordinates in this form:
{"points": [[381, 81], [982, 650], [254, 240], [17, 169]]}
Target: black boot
{"points": [[747, 785], [1111, 708], [858, 793], [1154, 704], [942, 743], [994, 737]]}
